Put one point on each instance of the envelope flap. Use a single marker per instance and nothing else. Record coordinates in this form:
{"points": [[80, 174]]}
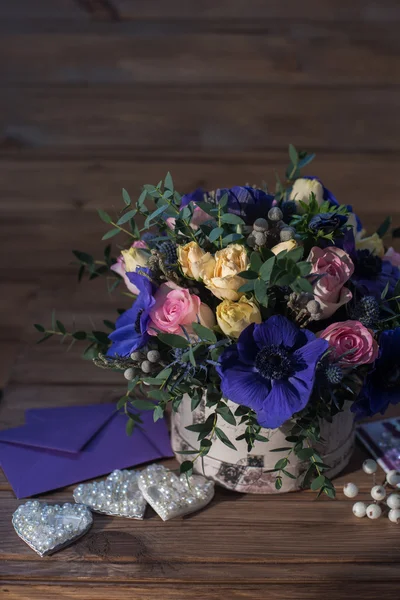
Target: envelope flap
{"points": [[65, 429]]}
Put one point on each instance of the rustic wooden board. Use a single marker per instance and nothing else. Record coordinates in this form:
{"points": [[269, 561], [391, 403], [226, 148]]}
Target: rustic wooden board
{"points": [[84, 183], [197, 53], [201, 118], [204, 591], [314, 10]]}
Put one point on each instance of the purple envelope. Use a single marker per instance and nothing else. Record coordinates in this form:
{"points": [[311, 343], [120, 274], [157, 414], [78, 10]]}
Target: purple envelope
{"points": [[79, 443]]}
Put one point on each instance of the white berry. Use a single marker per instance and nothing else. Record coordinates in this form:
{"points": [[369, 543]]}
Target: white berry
{"points": [[350, 490], [394, 515], [374, 511], [393, 477], [378, 492], [360, 509], [369, 466], [393, 501], [129, 374]]}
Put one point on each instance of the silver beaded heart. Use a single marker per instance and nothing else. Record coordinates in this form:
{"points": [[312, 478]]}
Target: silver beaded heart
{"points": [[47, 528], [171, 496], [118, 495]]}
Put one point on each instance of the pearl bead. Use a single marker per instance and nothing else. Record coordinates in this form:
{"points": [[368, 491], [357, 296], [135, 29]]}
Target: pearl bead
{"points": [[350, 490], [378, 492], [374, 511], [360, 509], [393, 501], [393, 477], [394, 515], [370, 466]]}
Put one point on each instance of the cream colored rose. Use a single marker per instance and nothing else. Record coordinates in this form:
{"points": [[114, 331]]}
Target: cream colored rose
{"points": [[133, 258], [289, 245], [233, 317], [225, 281], [127, 262], [373, 243], [195, 262], [302, 190]]}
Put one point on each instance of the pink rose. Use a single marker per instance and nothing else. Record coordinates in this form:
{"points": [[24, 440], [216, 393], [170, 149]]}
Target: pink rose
{"points": [[352, 343], [393, 257], [140, 244], [198, 218], [335, 268], [176, 307]]}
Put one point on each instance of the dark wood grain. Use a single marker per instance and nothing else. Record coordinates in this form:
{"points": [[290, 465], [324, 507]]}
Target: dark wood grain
{"points": [[280, 52], [201, 118], [313, 10]]}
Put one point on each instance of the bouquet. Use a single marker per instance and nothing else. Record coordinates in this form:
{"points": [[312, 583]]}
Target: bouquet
{"points": [[277, 302]]}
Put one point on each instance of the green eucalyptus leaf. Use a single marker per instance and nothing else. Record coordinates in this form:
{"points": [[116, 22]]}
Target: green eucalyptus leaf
{"points": [[204, 333], [221, 435], [126, 197], [110, 234], [215, 234], [127, 217], [104, 216], [266, 269], [171, 339], [232, 219]]}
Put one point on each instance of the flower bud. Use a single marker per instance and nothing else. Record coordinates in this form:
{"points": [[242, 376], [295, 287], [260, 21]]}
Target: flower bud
{"points": [[153, 356], [259, 238], [286, 234], [275, 214], [129, 374], [260, 224], [146, 366]]}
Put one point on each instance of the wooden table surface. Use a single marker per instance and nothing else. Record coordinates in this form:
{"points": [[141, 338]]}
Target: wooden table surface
{"points": [[97, 95]]}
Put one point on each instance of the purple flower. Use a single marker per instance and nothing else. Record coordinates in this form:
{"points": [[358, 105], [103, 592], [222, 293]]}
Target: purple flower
{"points": [[327, 222], [372, 274], [246, 202], [271, 369], [382, 385], [131, 327], [327, 195]]}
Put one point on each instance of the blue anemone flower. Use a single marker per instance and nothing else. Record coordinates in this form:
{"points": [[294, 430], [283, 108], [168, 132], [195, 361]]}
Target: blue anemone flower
{"points": [[327, 195], [131, 327], [244, 201], [382, 385], [372, 274], [271, 369]]}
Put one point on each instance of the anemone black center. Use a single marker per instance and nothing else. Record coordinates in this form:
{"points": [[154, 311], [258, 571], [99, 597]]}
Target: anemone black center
{"points": [[274, 362], [390, 377], [137, 322], [367, 264]]}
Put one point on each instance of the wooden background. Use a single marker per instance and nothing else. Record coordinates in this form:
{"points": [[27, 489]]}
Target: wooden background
{"points": [[97, 95]]}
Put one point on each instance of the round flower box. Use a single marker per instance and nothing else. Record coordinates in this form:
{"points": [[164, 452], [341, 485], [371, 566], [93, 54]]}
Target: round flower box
{"points": [[246, 472]]}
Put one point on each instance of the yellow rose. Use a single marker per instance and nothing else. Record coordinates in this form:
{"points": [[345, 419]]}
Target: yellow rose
{"points": [[195, 262], [373, 243], [289, 245], [302, 190], [225, 282], [134, 257], [233, 317]]}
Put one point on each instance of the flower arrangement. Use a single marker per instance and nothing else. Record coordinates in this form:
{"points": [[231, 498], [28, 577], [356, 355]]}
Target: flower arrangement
{"points": [[278, 303]]}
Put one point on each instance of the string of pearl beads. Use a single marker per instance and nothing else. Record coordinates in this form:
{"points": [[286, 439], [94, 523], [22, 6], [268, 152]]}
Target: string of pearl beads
{"points": [[378, 493]]}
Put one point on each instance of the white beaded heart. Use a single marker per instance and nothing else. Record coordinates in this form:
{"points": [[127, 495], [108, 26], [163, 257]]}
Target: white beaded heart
{"points": [[171, 496], [118, 495], [47, 528]]}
